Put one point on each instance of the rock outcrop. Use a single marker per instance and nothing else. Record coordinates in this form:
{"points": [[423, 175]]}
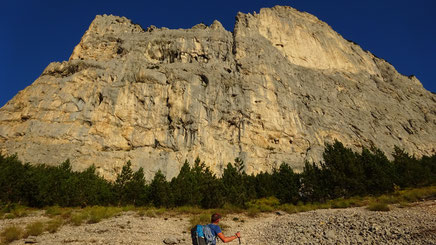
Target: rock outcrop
{"points": [[275, 90]]}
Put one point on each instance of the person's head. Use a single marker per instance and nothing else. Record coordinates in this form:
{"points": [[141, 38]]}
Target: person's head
{"points": [[215, 218]]}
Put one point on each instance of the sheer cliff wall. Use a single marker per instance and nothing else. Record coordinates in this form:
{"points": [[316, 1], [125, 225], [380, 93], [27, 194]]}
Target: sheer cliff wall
{"points": [[274, 90]]}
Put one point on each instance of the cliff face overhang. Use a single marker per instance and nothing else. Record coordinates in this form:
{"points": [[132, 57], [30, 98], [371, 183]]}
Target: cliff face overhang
{"points": [[275, 90]]}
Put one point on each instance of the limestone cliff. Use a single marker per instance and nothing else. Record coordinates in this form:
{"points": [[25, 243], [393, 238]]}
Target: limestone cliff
{"points": [[275, 90]]}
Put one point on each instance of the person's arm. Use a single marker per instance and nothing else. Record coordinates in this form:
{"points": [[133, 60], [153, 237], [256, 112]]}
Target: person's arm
{"points": [[229, 238]]}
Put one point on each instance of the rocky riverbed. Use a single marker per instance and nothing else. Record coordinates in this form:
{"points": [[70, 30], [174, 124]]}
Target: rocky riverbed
{"points": [[410, 225]]}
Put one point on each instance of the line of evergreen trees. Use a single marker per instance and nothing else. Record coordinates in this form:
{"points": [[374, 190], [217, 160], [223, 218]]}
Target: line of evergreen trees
{"points": [[343, 173]]}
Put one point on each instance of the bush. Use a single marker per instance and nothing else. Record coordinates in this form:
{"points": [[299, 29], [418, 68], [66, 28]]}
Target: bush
{"points": [[11, 233], [34, 229]]}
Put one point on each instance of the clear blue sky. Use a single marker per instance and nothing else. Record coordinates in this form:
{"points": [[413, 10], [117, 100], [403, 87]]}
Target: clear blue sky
{"points": [[35, 33]]}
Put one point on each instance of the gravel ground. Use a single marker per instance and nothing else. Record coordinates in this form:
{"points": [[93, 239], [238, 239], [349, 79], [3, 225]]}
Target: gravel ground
{"points": [[411, 225], [415, 225]]}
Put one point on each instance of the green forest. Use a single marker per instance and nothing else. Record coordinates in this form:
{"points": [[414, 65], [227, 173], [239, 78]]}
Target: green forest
{"points": [[343, 173]]}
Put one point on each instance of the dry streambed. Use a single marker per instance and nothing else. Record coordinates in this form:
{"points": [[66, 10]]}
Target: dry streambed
{"points": [[411, 225]]}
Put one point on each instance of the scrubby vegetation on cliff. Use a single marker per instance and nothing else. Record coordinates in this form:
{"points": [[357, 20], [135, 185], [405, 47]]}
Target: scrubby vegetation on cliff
{"points": [[342, 174]]}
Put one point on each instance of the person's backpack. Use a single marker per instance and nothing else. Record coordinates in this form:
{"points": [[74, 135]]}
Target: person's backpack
{"points": [[202, 235], [197, 235], [208, 236]]}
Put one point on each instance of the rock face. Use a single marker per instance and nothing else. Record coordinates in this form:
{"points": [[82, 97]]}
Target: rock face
{"points": [[275, 90]]}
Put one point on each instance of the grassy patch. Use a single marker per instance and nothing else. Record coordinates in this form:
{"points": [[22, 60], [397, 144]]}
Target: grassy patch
{"points": [[53, 211], [403, 204], [78, 217], [34, 229], [58, 211], [345, 202], [340, 203], [378, 206], [410, 196], [9, 216], [151, 211], [97, 213], [11, 211], [189, 210], [413, 195], [357, 201], [140, 212], [229, 208], [306, 207], [253, 212], [378, 203], [289, 208], [11, 233], [93, 214], [388, 199], [264, 204], [54, 224], [407, 196], [203, 219], [128, 208]]}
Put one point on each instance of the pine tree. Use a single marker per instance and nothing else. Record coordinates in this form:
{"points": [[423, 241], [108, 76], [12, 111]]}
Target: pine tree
{"points": [[314, 186], [378, 171], [12, 179], [408, 169], [160, 191], [345, 174], [263, 183], [286, 184], [233, 181], [94, 190], [185, 187]]}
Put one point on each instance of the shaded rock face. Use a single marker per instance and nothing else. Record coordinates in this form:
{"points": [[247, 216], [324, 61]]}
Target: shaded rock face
{"points": [[275, 90]]}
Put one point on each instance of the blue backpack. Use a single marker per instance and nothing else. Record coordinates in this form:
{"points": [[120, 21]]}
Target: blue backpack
{"points": [[202, 235]]}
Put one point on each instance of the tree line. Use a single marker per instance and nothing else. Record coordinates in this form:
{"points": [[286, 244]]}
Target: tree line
{"points": [[342, 173]]}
